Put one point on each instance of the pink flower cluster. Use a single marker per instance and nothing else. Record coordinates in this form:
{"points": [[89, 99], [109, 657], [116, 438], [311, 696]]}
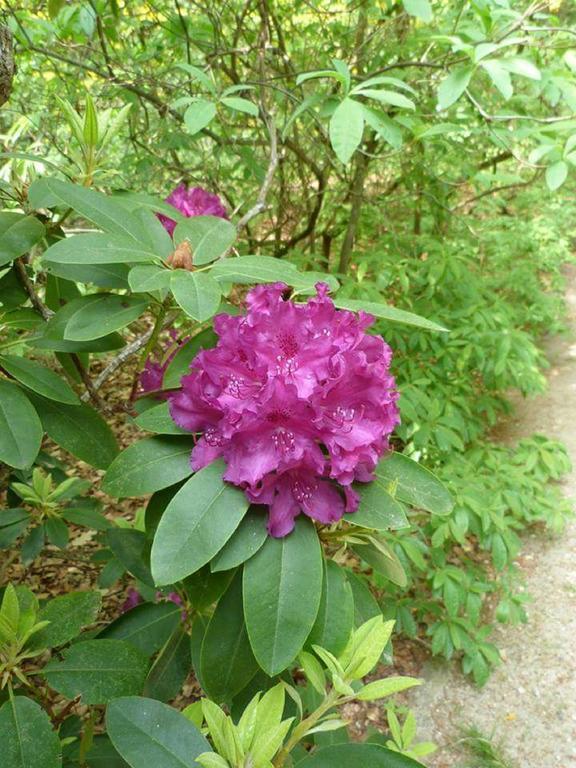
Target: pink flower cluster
{"points": [[192, 202], [297, 399]]}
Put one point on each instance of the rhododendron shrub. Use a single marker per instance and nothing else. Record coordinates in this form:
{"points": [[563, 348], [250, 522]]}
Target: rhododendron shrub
{"points": [[297, 399], [192, 202]]}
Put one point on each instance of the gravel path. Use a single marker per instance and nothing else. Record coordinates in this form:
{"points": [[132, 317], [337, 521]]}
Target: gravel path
{"points": [[529, 704]]}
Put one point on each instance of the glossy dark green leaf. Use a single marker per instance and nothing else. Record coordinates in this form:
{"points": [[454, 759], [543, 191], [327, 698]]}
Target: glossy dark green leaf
{"points": [[103, 755], [197, 293], [378, 509], [148, 277], [57, 532], [100, 314], [227, 663], [132, 549], [148, 733], [157, 419], [148, 466], [67, 615], [17, 235], [20, 428], [98, 671], [383, 559], [197, 523], [282, 591], [391, 314], [39, 378], [365, 605], [102, 275], [414, 484], [357, 756], [204, 588], [13, 523], [78, 429], [148, 626], [244, 542], [170, 668], [335, 620], [256, 269], [26, 736], [98, 248], [53, 334], [209, 237]]}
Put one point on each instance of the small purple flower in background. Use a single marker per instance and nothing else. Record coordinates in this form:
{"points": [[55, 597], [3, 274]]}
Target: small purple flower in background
{"points": [[152, 375], [134, 598], [192, 202], [297, 399]]}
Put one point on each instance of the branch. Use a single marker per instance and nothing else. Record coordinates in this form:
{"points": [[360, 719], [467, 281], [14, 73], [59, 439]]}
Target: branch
{"points": [[494, 190], [260, 204]]}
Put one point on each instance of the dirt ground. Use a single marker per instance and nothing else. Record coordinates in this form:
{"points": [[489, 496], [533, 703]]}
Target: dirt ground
{"points": [[528, 706]]}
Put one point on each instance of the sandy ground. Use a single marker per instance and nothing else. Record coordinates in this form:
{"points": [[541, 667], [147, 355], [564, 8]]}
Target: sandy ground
{"points": [[529, 704]]}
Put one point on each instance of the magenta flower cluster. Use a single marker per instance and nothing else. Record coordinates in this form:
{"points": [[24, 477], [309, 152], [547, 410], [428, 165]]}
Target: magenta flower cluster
{"points": [[192, 202], [297, 399]]}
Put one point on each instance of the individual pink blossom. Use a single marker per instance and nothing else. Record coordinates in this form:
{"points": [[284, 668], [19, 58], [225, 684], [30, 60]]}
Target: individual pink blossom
{"points": [[192, 202], [297, 399]]}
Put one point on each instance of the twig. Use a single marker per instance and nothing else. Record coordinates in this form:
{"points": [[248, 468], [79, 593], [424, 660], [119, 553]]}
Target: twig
{"points": [[28, 285], [260, 204]]}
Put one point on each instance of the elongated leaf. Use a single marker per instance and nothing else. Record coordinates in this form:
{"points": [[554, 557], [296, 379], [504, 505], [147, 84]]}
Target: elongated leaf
{"points": [[365, 605], [180, 364], [282, 591], [53, 335], [67, 615], [199, 115], [157, 419], [244, 542], [204, 588], [98, 248], [346, 129], [132, 549], [170, 668], [209, 237], [20, 427], [383, 560], [78, 429], [556, 175], [388, 97], [419, 8], [388, 313], [378, 509], [357, 756], [39, 379], [453, 86], [148, 733], [103, 313], [98, 671], [499, 76], [227, 663], [18, 234], [26, 736], [102, 210], [148, 277], [197, 523], [414, 484], [148, 466], [197, 293], [148, 626], [335, 619]]}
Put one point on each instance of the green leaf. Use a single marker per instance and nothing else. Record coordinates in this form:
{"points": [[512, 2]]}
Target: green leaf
{"points": [[378, 510], [244, 542], [199, 115], [98, 248], [204, 588], [67, 615], [419, 8], [209, 237], [240, 105], [53, 336], [379, 689], [414, 484], [101, 314], [227, 663], [499, 76], [78, 429], [157, 419], [383, 560], [20, 428], [453, 86], [131, 548], [556, 175], [171, 667], [26, 735], [180, 364], [102, 210], [388, 97], [391, 314], [313, 671], [148, 277], [522, 67], [335, 619], [147, 627], [282, 591], [197, 523], [346, 129], [148, 733], [17, 235], [197, 293], [148, 466], [98, 671], [39, 379], [357, 756]]}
